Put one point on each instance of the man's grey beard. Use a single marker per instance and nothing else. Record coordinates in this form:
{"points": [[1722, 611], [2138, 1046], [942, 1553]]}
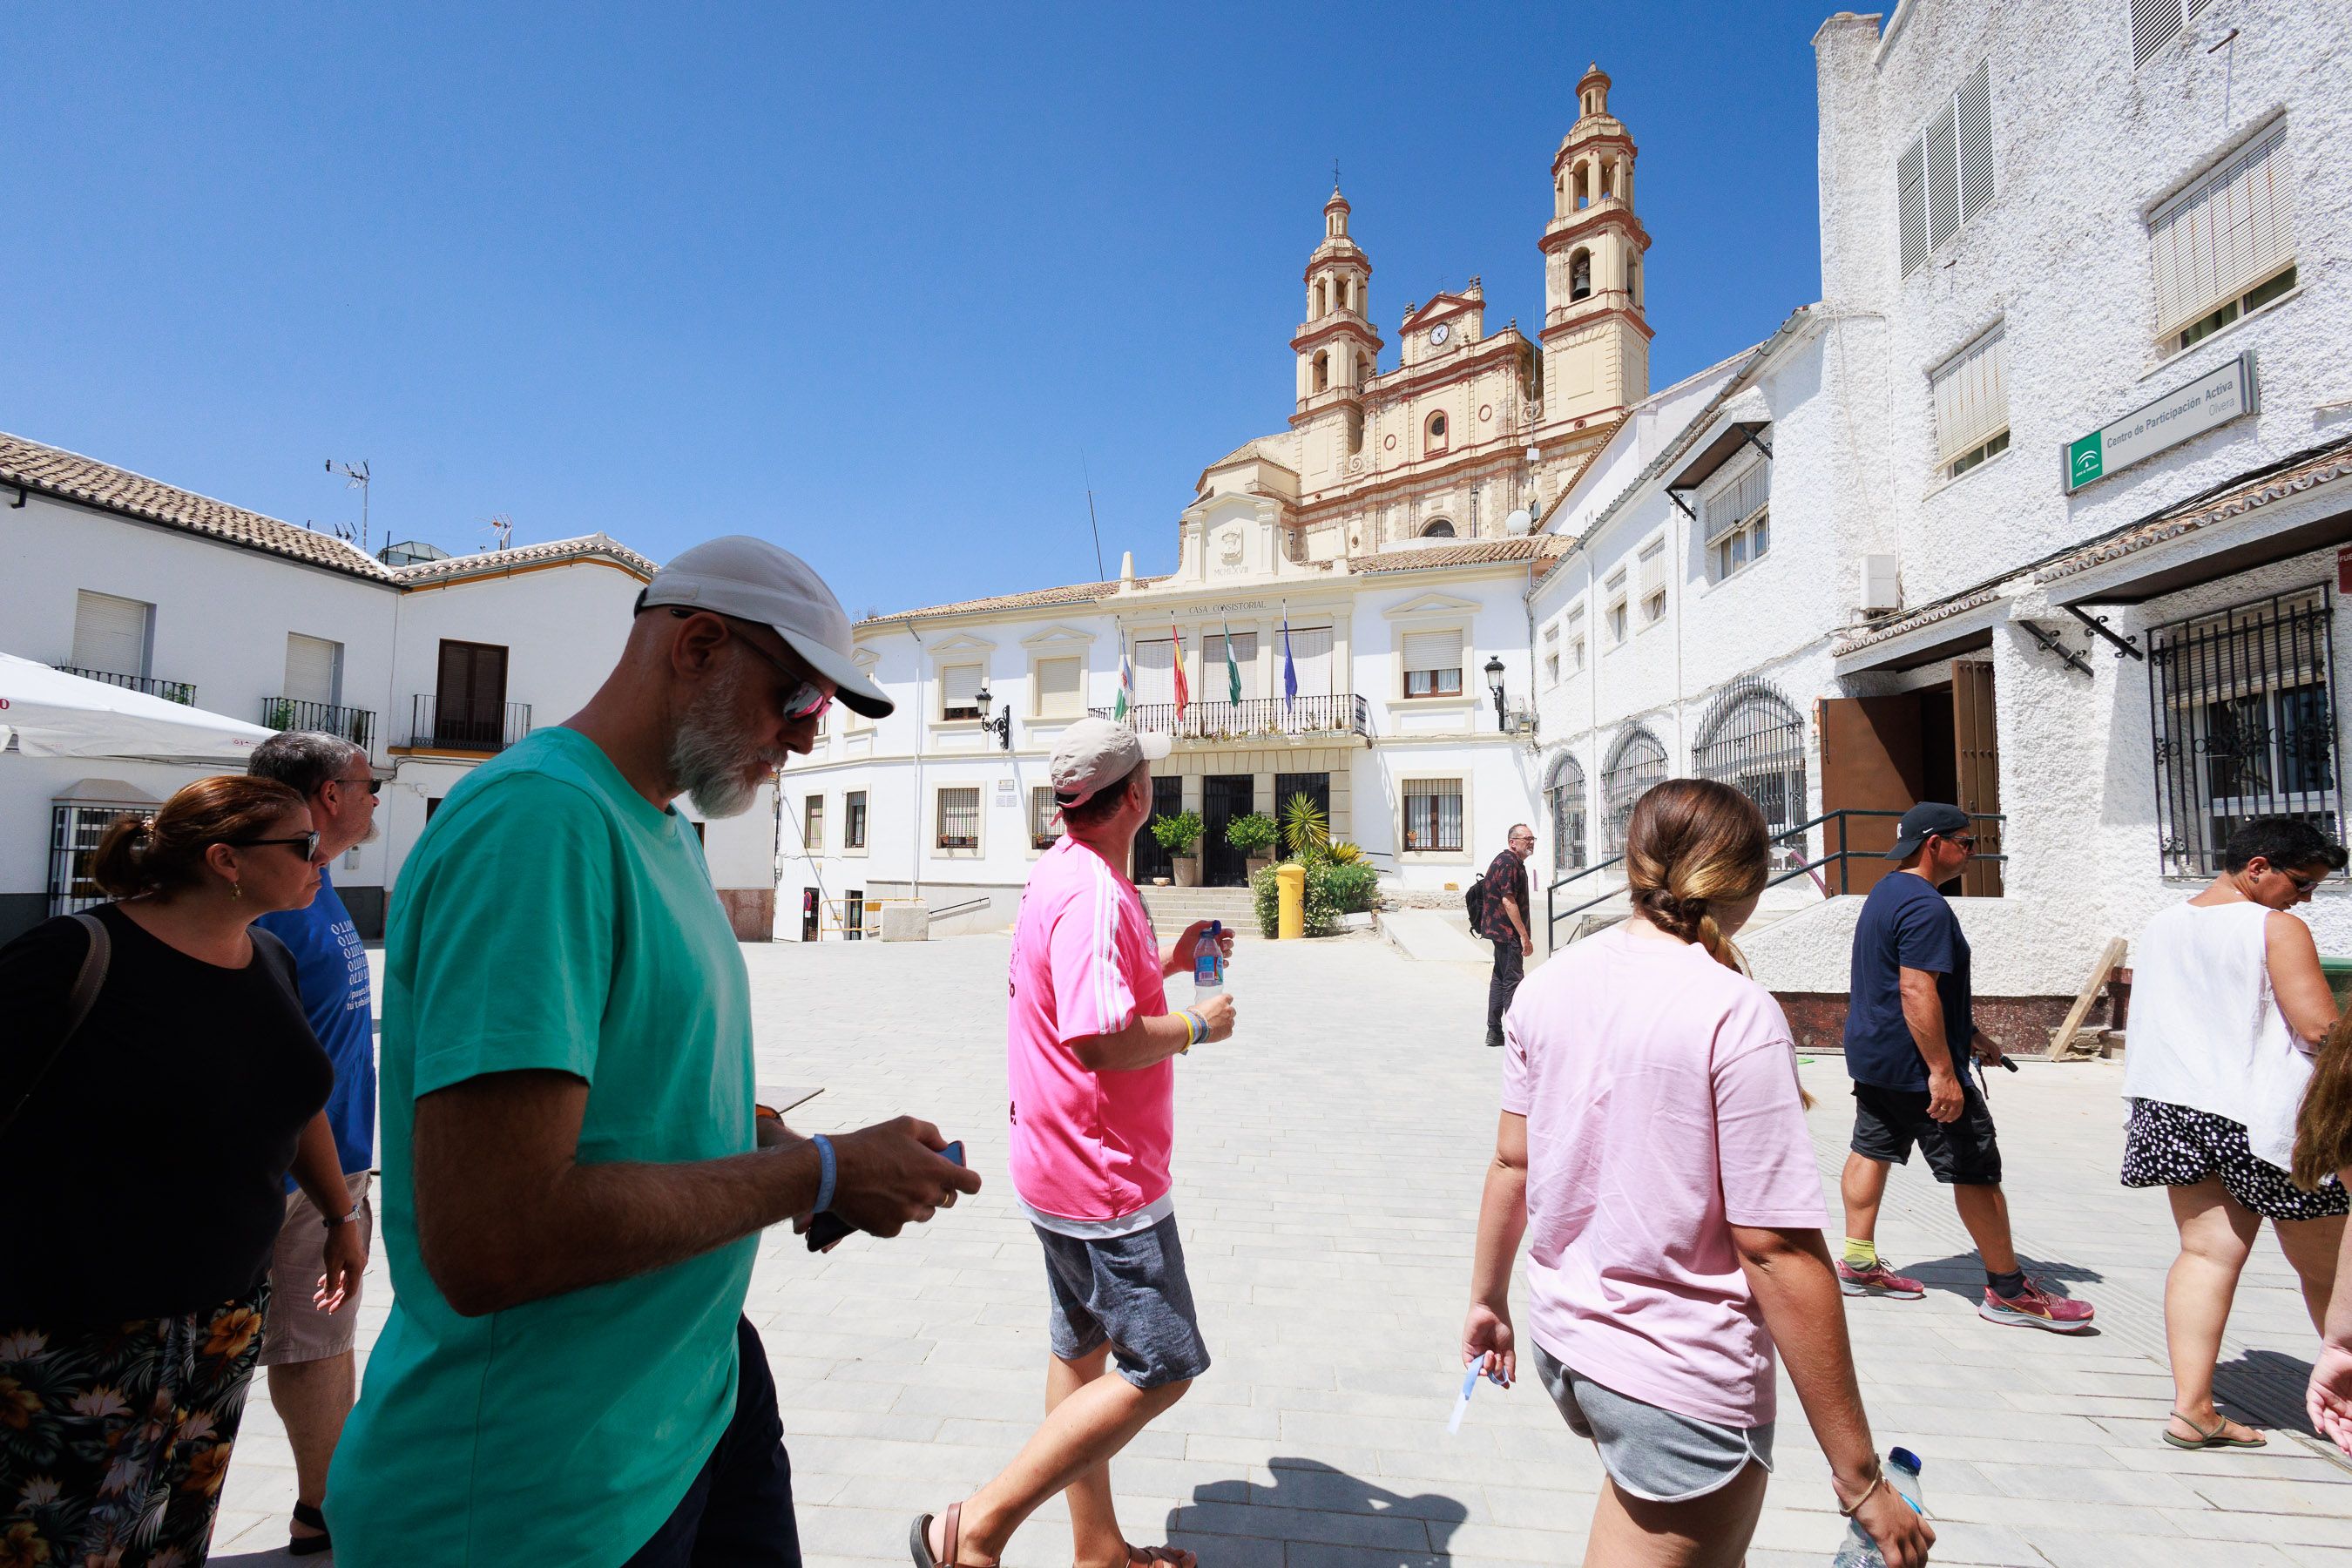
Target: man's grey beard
{"points": [[712, 757]]}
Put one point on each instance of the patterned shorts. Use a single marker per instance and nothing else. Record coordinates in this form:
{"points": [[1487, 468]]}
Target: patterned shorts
{"points": [[114, 1440], [2173, 1146]]}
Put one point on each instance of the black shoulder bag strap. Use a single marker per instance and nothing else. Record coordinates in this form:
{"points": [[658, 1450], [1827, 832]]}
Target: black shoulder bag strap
{"points": [[87, 982]]}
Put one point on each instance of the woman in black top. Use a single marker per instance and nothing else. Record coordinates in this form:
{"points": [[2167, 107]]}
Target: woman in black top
{"points": [[141, 1163]]}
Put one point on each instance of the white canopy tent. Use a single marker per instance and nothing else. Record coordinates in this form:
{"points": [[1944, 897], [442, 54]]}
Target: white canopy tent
{"points": [[48, 713]]}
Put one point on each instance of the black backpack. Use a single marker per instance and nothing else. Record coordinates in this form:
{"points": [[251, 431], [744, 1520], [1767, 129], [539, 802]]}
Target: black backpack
{"points": [[1473, 899]]}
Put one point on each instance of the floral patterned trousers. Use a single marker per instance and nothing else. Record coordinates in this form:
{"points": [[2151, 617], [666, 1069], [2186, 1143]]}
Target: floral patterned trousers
{"points": [[114, 1440]]}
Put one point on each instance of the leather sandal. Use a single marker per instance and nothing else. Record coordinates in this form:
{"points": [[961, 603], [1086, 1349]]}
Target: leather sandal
{"points": [[919, 1540], [2218, 1437], [308, 1545]]}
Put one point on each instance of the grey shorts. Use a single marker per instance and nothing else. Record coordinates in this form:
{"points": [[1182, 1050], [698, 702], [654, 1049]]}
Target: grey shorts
{"points": [[1131, 1291], [294, 1328], [1652, 1454]]}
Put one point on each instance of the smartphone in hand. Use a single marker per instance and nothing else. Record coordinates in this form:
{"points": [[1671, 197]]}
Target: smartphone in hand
{"points": [[829, 1227]]}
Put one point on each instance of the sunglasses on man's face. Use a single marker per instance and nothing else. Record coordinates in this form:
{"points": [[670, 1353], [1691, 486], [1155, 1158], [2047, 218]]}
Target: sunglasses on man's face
{"points": [[1965, 840], [307, 842], [373, 786], [804, 699]]}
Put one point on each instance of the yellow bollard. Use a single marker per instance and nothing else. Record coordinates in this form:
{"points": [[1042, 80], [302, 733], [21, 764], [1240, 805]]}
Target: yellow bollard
{"points": [[1290, 894]]}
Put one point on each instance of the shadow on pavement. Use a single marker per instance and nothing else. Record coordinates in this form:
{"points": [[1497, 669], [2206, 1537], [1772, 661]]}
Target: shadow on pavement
{"points": [[1339, 1520], [2264, 1388], [1962, 1275]]}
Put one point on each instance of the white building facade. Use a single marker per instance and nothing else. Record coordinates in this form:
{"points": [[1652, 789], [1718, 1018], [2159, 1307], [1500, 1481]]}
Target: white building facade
{"points": [[433, 665], [2037, 510]]}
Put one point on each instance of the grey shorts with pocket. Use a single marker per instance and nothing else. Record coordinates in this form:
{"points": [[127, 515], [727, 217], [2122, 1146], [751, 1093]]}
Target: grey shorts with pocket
{"points": [[1130, 1290], [1652, 1454]]}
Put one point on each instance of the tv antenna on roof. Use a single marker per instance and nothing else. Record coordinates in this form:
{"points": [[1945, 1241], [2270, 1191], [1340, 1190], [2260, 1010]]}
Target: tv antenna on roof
{"points": [[354, 479], [1091, 522], [500, 528]]}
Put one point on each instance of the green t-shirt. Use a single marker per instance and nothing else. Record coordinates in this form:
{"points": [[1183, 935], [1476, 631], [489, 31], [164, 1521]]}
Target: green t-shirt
{"points": [[550, 918]]}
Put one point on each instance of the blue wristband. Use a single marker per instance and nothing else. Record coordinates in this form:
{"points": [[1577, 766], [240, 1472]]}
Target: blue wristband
{"points": [[825, 1173]]}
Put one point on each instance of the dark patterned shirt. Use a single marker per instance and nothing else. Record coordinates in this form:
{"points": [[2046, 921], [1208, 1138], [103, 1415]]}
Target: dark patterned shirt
{"points": [[1506, 879]]}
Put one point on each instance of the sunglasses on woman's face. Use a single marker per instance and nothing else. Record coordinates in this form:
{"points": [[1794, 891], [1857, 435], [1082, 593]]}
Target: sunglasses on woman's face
{"points": [[309, 842]]}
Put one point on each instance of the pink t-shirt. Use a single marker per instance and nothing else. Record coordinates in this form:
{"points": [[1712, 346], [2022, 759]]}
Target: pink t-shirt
{"points": [[1661, 1094], [1086, 1146]]}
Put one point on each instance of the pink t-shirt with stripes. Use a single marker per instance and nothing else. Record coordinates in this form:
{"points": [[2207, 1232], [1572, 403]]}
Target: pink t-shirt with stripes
{"points": [[1086, 1146]]}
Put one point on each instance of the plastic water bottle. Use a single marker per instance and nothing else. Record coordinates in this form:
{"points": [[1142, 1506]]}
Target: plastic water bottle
{"points": [[1209, 963], [1902, 1467]]}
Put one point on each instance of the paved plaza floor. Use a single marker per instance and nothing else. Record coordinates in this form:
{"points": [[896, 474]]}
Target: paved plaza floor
{"points": [[1328, 1161]]}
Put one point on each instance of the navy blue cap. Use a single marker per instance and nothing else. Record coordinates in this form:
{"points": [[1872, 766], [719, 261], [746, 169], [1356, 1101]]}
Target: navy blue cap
{"points": [[1927, 817]]}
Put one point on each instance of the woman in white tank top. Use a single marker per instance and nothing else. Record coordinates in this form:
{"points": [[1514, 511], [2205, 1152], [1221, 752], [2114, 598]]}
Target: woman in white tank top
{"points": [[2228, 1003]]}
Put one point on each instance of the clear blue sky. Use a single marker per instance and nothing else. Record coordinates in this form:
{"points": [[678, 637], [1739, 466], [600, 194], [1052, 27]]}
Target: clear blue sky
{"points": [[873, 281]]}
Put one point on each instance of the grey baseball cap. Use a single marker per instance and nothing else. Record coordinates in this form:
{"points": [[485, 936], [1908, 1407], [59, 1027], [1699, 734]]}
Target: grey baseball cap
{"points": [[1095, 754], [753, 580], [1929, 816]]}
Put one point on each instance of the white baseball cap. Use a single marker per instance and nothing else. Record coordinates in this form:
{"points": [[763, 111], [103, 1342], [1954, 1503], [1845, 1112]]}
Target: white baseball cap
{"points": [[1093, 754], [753, 580]]}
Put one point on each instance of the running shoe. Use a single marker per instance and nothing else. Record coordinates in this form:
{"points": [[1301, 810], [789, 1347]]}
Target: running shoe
{"points": [[2036, 1307], [1877, 1280]]}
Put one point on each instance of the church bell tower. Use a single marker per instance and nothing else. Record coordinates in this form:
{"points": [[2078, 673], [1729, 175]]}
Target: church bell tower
{"points": [[1596, 337], [1337, 349]]}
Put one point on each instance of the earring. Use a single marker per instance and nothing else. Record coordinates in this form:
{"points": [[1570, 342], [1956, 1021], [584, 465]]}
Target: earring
{"points": [[235, 892]]}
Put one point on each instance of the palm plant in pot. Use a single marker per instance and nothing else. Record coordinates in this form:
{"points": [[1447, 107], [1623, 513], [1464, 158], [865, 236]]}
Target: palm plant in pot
{"points": [[1181, 835], [1253, 835]]}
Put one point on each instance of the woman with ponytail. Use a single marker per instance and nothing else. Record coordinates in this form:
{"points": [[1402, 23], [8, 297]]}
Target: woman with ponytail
{"points": [[1652, 1153], [158, 1079]]}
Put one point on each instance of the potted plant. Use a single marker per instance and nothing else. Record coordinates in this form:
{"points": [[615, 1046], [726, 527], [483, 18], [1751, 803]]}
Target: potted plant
{"points": [[1181, 835], [1253, 835]]}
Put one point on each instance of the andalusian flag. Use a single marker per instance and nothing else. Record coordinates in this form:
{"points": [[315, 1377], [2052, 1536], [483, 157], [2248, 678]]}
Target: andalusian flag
{"points": [[1232, 670], [1125, 686], [1183, 692]]}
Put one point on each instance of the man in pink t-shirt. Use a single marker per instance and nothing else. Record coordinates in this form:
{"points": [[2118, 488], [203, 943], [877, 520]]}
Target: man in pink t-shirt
{"points": [[1090, 1049]]}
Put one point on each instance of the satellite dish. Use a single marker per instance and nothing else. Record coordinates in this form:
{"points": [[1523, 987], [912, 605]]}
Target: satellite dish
{"points": [[1519, 522]]}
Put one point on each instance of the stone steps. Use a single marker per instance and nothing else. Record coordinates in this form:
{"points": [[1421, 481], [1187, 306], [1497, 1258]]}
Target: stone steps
{"points": [[1173, 908]]}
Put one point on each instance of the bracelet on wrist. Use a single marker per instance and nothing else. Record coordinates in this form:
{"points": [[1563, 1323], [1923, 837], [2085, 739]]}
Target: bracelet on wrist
{"points": [[826, 1172], [1877, 1479], [332, 1221]]}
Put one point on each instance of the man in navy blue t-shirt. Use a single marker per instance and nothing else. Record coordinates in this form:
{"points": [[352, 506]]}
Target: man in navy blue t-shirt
{"points": [[313, 1372], [1909, 1028]]}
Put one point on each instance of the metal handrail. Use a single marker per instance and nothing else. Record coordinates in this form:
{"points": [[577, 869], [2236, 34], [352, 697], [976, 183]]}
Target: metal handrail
{"points": [[1839, 858], [1338, 713], [962, 908], [356, 725], [181, 692]]}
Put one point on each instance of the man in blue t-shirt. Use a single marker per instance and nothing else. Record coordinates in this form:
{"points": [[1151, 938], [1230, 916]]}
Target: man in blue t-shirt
{"points": [[313, 1372], [1907, 1024]]}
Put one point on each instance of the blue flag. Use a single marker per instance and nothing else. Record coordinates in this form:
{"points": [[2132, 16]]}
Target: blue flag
{"points": [[1289, 669]]}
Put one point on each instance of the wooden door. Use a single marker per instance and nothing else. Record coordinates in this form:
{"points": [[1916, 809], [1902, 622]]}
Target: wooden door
{"points": [[1870, 761], [1976, 750], [1224, 797], [469, 705]]}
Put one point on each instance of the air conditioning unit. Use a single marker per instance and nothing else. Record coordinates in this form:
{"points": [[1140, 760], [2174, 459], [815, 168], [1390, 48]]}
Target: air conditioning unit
{"points": [[1881, 584]]}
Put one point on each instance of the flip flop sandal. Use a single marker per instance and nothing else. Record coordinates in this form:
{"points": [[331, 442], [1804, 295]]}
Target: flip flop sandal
{"points": [[918, 1539], [308, 1545], [2217, 1438], [1153, 1556]]}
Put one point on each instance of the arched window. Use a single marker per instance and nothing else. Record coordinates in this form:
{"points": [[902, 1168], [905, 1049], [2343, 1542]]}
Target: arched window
{"points": [[1579, 274], [1583, 189], [1346, 301], [1322, 370], [1637, 763], [1633, 282], [1438, 528], [1315, 303], [1433, 433], [1363, 369], [1753, 738], [1564, 803]]}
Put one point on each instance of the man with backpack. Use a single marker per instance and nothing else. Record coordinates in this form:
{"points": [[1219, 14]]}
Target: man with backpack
{"points": [[1498, 911]]}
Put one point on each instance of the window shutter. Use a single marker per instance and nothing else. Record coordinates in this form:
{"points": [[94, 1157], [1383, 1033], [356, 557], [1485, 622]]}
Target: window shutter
{"points": [[1310, 653], [1971, 395], [1911, 215], [2211, 242], [111, 634], [960, 686], [1742, 497], [1155, 672], [1433, 650], [311, 664], [1576, 621], [2155, 22], [1060, 687], [1653, 568], [1975, 113], [1943, 180]]}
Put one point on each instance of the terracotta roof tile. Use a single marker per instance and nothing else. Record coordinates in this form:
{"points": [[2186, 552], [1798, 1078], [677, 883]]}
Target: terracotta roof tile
{"points": [[2305, 470], [1469, 553], [489, 562], [68, 475], [1040, 598], [1925, 615]]}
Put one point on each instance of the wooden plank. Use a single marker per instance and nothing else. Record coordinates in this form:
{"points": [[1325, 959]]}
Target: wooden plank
{"points": [[2111, 957]]}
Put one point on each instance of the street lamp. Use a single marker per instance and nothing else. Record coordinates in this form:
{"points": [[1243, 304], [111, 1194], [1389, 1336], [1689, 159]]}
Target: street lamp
{"points": [[1495, 688], [1000, 726]]}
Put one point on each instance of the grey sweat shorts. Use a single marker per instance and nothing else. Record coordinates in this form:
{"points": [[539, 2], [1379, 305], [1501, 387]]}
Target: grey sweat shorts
{"points": [[1652, 1454], [1130, 1290]]}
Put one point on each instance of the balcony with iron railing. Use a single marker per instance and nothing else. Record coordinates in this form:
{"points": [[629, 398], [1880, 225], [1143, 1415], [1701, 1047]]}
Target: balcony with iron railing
{"points": [[483, 728], [181, 691], [356, 725], [1341, 714]]}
